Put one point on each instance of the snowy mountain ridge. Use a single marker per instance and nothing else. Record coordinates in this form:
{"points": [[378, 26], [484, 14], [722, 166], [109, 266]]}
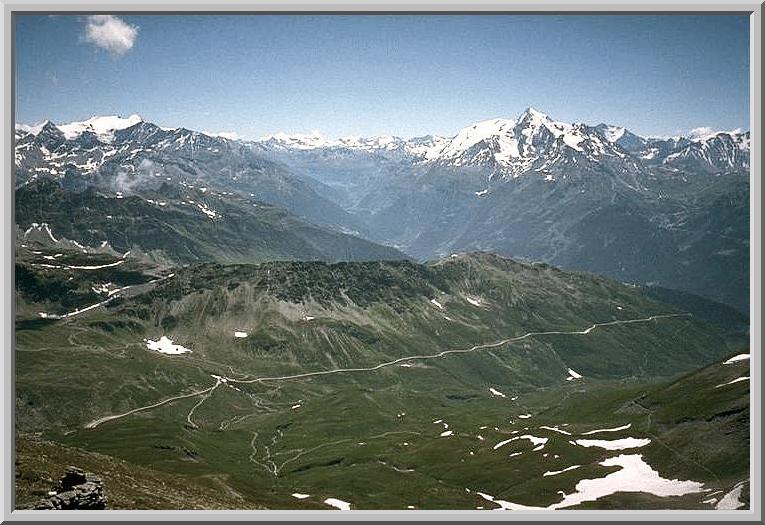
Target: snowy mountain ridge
{"points": [[532, 142]]}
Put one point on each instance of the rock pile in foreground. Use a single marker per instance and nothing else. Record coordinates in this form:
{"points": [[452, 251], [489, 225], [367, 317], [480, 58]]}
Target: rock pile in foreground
{"points": [[77, 490]]}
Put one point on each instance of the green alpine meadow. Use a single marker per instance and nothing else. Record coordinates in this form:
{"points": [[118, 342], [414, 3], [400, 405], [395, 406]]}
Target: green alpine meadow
{"points": [[387, 385]]}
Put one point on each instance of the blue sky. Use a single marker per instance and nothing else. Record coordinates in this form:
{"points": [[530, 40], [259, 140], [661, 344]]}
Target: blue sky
{"points": [[372, 75]]}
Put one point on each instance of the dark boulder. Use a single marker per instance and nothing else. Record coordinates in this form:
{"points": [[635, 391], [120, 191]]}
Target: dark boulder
{"points": [[77, 490]]}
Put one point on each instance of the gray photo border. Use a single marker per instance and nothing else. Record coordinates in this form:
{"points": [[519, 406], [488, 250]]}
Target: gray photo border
{"points": [[12, 7]]}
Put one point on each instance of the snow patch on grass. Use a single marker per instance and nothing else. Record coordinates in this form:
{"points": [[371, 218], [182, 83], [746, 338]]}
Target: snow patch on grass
{"points": [[474, 302], [540, 442], [337, 503], [212, 214], [737, 380], [556, 472], [94, 267], [635, 475], [165, 346], [731, 501], [736, 358], [614, 429], [556, 429], [614, 444]]}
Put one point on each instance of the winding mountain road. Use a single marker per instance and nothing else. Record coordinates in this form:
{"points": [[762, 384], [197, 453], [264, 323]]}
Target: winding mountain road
{"points": [[219, 381], [457, 351], [96, 422]]}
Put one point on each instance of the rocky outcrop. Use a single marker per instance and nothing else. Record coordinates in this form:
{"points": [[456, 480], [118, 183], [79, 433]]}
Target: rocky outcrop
{"points": [[77, 490]]}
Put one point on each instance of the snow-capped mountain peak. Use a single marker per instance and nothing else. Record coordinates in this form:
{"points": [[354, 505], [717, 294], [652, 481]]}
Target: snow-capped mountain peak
{"points": [[702, 133], [612, 133], [532, 118], [706, 134], [622, 137], [498, 132], [33, 129], [535, 118], [103, 127], [514, 145], [535, 113], [715, 151]]}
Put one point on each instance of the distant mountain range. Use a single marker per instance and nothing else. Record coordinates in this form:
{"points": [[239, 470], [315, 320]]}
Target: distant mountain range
{"points": [[534, 142], [666, 211]]}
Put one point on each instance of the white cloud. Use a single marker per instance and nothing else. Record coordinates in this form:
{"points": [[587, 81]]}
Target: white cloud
{"points": [[110, 33]]}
